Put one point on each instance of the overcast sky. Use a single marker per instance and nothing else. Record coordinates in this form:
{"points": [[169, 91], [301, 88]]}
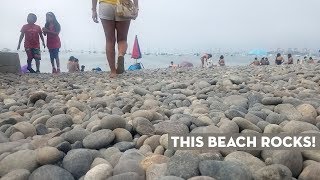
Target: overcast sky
{"points": [[175, 25]]}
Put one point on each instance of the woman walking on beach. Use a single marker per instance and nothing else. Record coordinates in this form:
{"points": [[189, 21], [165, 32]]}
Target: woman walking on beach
{"points": [[116, 29], [32, 32], [279, 59], [51, 30]]}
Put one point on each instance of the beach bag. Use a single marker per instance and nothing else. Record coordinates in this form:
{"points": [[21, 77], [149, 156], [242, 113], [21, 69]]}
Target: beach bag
{"points": [[126, 9], [135, 67]]}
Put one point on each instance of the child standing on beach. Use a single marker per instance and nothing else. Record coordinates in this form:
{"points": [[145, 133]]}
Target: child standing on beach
{"points": [[51, 30], [32, 32]]}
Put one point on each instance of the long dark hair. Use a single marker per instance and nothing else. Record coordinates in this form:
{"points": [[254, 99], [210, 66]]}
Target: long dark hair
{"points": [[57, 27]]}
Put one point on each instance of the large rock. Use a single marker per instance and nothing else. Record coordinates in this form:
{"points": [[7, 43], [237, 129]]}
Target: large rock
{"points": [[227, 126], [112, 122], [24, 159], [308, 112], [48, 155], [60, 121], [143, 126], [153, 159], [9, 62], [99, 139], [275, 118], [273, 172], [37, 96], [143, 113], [183, 164], [122, 135], [249, 160], [155, 171], [3, 138], [224, 170], [311, 172], [169, 127], [130, 162], [311, 155], [292, 159], [78, 162], [99, 172], [128, 175], [271, 101], [26, 128], [245, 124], [296, 127], [289, 111], [202, 178], [77, 115], [50, 172], [236, 100], [77, 134], [18, 174], [153, 141]]}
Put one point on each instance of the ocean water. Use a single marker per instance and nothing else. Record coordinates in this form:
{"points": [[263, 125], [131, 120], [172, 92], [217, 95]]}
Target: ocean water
{"points": [[94, 60]]}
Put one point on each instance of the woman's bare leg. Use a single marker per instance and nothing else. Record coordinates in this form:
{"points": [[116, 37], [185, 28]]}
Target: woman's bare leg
{"points": [[122, 28], [109, 31]]}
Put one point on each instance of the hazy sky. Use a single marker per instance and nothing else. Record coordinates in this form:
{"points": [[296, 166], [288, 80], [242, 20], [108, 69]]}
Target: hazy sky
{"points": [[174, 25]]}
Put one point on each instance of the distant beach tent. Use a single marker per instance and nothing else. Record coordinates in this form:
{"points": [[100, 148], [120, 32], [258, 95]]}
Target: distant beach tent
{"points": [[136, 54], [258, 52], [186, 64]]}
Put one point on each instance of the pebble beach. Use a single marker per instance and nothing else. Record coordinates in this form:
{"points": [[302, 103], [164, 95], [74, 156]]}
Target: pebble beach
{"points": [[90, 127]]}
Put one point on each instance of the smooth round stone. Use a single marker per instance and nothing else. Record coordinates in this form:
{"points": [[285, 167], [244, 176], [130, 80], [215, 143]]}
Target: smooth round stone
{"points": [[99, 139], [18, 174], [112, 122], [277, 171], [17, 136], [183, 164], [26, 128], [101, 171], [76, 134], [60, 121], [41, 129], [48, 155], [122, 135], [78, 162], [51, 172], [24, 159], [224, 170]]}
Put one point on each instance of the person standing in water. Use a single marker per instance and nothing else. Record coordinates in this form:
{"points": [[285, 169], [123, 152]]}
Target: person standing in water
{"points": [[51, 30], [31, 32], [115, 29]]}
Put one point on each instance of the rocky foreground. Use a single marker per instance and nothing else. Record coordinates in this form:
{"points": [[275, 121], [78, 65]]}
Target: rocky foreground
{"points": [[86, 126]]}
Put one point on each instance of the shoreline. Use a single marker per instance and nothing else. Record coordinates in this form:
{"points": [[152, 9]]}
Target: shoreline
{"points": [[49, 123]]}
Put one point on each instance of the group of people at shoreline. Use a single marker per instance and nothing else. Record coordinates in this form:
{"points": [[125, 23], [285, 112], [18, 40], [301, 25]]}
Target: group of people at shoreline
{"points": [[279, 60]]}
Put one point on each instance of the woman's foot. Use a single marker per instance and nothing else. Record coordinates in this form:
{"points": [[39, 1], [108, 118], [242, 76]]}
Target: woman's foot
{"points": [[31, 70], [38, 71], [58, 71], [54, 71], [120, 65], [113, 75]]}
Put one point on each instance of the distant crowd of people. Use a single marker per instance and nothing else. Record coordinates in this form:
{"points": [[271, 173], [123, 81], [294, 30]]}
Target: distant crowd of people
{"points": [[279, 60]]}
